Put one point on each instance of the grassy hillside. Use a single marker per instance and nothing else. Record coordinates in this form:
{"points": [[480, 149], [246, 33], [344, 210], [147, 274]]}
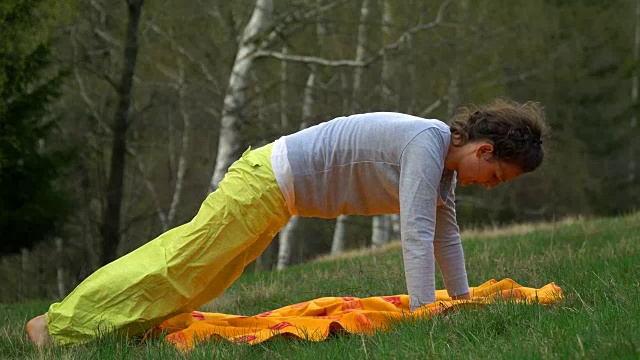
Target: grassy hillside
{"points": [[596, 262]]}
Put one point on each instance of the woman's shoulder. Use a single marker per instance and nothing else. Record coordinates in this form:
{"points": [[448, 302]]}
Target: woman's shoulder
{"points": [[399, 119]]}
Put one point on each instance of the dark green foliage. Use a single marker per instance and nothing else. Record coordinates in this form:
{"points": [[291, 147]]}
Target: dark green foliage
{"points": [[31, 207]]}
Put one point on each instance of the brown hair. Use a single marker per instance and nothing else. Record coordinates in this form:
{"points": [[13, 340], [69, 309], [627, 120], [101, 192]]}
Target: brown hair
{"points": [[515, 129]]}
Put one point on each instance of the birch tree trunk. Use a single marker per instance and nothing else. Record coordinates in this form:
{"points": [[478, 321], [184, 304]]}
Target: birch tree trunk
{"points": [[182, 161], [286, 240], [361, 52], [262, 261], [60, 268], [381, 230], [229, 145], [385, 76], [381, 224], [110, 228], [284, 103], [388, 95], [339, 234]]}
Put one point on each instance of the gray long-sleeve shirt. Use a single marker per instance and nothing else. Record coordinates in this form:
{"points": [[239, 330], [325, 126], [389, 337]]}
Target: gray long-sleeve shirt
{"points": [[381, 163]]}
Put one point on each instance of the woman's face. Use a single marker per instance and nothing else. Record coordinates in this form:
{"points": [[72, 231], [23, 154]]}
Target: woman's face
{"points": [[480, 168]]}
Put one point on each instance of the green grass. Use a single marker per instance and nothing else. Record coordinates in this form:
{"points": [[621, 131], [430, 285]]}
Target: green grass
{"points": [[596, 262]]}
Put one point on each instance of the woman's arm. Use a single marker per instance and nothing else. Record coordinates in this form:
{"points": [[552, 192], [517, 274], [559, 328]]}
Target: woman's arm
{"points": [[422, 163], [448, 248]]}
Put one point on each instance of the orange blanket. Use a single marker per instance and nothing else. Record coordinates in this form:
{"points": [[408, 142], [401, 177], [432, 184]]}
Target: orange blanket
{"points": [[316, 319]]}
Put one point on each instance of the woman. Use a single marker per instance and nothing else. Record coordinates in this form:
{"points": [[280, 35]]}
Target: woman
{"points": [[366, 164]]}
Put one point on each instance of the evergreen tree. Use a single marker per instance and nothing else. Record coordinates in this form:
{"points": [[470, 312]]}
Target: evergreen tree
{"points": [[31, 206]]}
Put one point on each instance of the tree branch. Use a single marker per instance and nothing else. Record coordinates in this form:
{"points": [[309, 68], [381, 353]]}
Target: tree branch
{"points": [[182, 51], [429, 109], [354, 63], [309, 59]]}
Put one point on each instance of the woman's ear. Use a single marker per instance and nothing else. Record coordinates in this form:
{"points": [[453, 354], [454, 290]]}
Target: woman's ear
{"points": [[484, 149]]}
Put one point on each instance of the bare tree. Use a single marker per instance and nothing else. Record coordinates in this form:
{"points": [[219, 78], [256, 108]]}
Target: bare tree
{"points": [[167, 217], [111, 218], [361, 52], [86, 42], [381, 224], [339, 234], [230, 143], [286, 234], [285, 238], [385, 91], [260, 32], [284, 104]]}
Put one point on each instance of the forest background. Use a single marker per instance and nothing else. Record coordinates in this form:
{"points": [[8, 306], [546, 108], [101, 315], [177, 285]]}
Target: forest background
{"points": [[118, 117]]}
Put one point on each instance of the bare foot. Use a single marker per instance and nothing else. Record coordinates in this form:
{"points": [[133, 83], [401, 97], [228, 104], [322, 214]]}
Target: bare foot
{"points": [[38, 331]]}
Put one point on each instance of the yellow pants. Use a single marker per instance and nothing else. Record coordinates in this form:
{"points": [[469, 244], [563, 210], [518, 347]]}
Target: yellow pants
{"points": [[183, 268]]}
